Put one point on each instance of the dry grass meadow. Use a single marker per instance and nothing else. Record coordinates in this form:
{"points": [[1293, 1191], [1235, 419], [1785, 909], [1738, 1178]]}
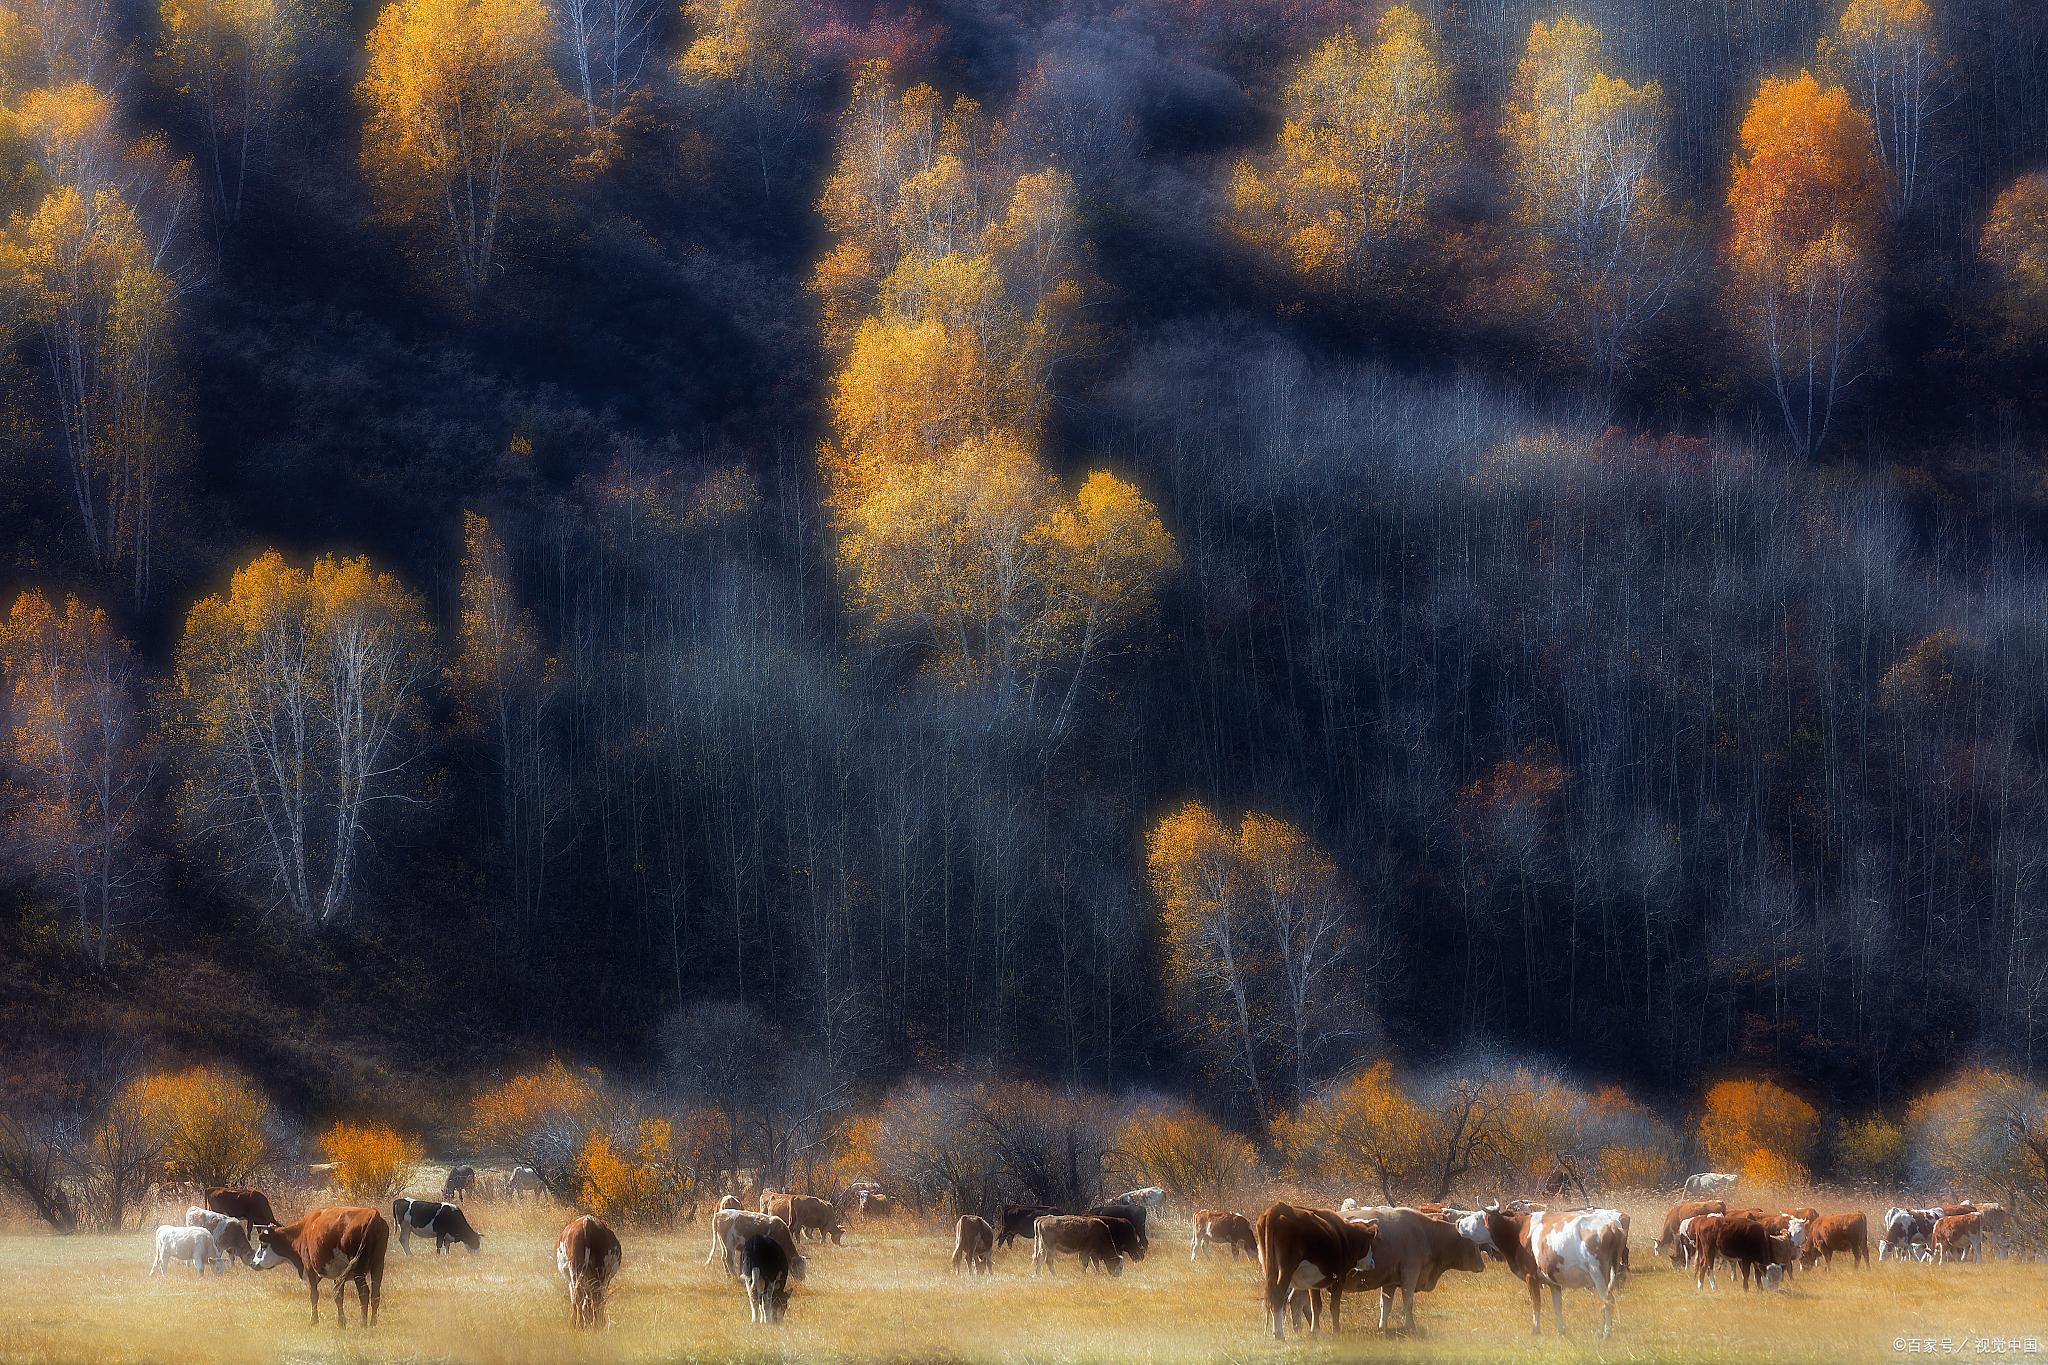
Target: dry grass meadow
{"points": [[887, 1294]]}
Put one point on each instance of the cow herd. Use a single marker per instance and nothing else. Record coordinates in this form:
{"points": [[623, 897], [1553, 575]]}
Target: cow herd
{"points": [[1308, 1258]]}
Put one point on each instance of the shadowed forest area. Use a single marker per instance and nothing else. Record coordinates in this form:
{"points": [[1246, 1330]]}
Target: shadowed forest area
{"points": [[1183, 547]]}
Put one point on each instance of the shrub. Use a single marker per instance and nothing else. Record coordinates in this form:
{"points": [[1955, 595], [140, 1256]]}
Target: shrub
{"points": [[1871, 1152], [1984, 1130], [639, 1182], [540, 1119], [1185, 1153], [213, 1125], [372, 1163], [1760, 1123]]}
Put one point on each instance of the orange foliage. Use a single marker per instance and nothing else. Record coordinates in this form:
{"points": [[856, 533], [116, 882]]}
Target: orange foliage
{"points": [[372, 1162], [1758, 1128], [1186, 1154], [2015, 245], [506, 1117], [212, 1122], [644, 1184]]}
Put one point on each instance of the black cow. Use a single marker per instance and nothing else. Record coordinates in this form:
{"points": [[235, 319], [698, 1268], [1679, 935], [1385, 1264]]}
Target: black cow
{"points": [[446, 1222], [1130, 1242], [461, 1180], [1134, 1214], [1019, 1220], [764, 1270]]}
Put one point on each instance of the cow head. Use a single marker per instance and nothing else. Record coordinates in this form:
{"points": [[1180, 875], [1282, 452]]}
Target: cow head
{"points": [[274, 1249]]}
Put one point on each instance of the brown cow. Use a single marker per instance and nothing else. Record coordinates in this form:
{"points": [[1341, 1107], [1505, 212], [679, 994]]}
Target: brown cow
{"points": [[587, 1256], [1220, 1227], [1088, 1238], [340, 1244], [1848, 1233], [1411, 1253], [1668, 1240], [805, 1213], [1310, 1250], [1753, 1244], [974, 1244], [1957, 1235], [251, 1206]]}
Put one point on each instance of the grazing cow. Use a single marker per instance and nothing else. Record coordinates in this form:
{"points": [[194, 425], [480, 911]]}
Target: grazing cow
{"points": [[1151, 1197], [251, 1206], [1668, 1241], [340, 1244], [1134, 1214], [974, 1244], [1708, 1184], [1585, 1249], [730, 1229], [1752, 1244], [1848, 1233], [804, 1213], [1089, 1238], [1311, 1251], [231, 1235], [1957, 1235], [525, 1180], [1220, 1227], [1411, 1253], [587, 1256], [181, 1244], [1908, 1232], [875, 1204], [1018, 1220], [445, 1222], [1130, 1241], [764, 1270], [461, 1180]]}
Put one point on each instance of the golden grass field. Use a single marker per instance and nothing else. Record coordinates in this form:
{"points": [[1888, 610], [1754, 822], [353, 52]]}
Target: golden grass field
{"points": [[887, 1294]]}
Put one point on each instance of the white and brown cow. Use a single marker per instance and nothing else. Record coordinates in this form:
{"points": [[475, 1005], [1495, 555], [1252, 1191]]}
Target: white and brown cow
{"points": [[1585, 1248], [587, 1255], [974, 1243], [1222, 1228], [340, 1244], [730, 1229]]}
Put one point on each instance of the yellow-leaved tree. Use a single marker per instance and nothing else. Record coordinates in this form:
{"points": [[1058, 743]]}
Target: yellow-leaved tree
{"points": [[83, 282], [1984, 1132], [234, 59], [1885, 51], [1597, 240], [539, 1118], [1368, 138], [76, 745], [1196, 1160], [466, 135], [1806, 218], [746, 54], [372, 1161], [1260, 941], [293, 709], [950, 296], [2015, 245]]}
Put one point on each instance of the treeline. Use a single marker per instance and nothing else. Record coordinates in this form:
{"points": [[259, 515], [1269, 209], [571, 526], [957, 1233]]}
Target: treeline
{"points": [[961, 533], [647, 1153]]}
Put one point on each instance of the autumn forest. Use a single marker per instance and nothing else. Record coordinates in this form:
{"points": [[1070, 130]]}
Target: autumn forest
{"points": [[1233, 549]]}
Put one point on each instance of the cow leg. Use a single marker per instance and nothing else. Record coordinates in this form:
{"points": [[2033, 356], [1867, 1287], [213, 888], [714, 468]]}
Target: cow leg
{"points": [[1557, 1307], [1535, 1306], [1386, 1306], [313, 1288], [1337, 1305], [340, 1299], [1408, 1299], [405, 1236]]}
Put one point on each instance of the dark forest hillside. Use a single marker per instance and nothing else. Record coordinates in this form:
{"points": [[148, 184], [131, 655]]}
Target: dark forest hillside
{"points": [[924, 523]]}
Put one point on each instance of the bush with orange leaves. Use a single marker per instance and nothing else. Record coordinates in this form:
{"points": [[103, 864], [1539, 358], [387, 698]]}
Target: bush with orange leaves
{"points": [[540, 1119], [1759, 1130], [639, 1179], [1189, 1155], [1365, 1133], [213, 1124], [372, 1162]]}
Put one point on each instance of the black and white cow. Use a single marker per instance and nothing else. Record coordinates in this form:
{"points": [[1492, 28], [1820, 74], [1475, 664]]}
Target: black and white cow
{"points": [[764, 1270], [445, 1223]]}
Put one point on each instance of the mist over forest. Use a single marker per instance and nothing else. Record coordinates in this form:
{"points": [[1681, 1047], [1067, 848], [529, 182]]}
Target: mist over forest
{"points": [[1136, 546]]}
